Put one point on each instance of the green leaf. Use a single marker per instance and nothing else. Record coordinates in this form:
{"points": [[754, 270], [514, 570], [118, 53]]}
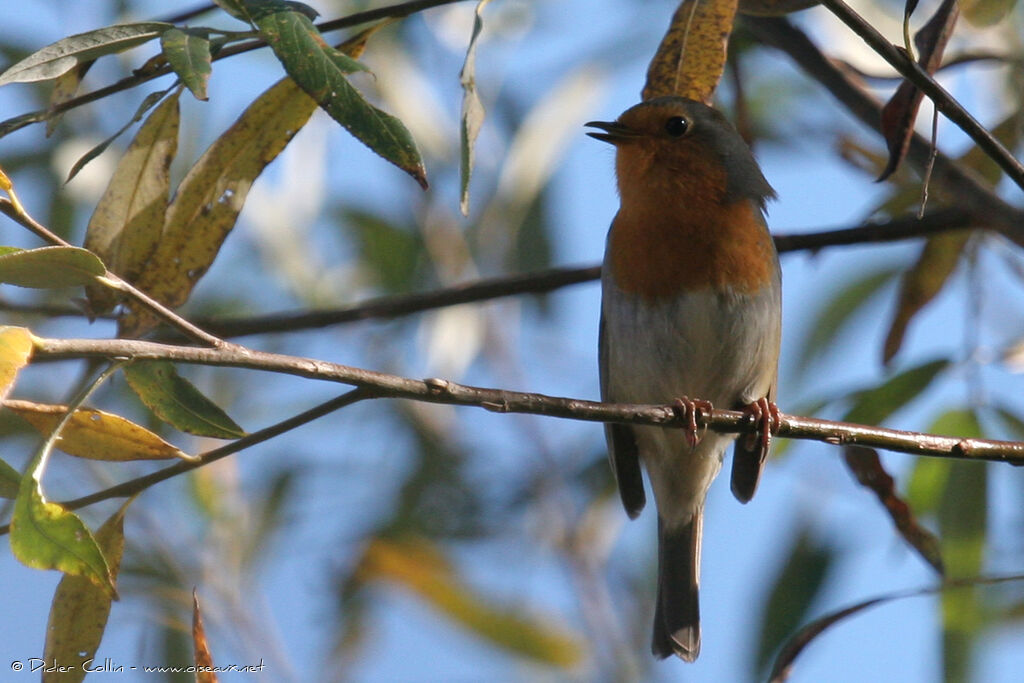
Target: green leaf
{"points": [[10, 480], [794, 591], [47, 536], [79, 612], [962, 523], [390, 252], [209, 198], [320, 71], [927, 483], [472, 110], [234, 8], [49, 267], [128, 221], [837, 312], [1013, 422], [177, 402], [188, 53], [64, 55], [148, 103], [872, 406]]}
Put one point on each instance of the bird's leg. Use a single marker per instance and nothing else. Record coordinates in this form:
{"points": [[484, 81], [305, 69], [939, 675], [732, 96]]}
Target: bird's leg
{"points": [[689, 411], [766, 418]]}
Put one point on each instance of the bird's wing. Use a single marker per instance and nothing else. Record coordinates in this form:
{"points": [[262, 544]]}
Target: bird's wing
{"points": [[622, 449]]}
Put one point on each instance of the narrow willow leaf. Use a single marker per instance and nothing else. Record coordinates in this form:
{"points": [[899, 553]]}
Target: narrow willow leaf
{"points": [[49, 267], [126, 225], [701, 28], [148, 103], [62, 56], [209, 198], [870, 473], [320, 70], [203, 659], [95, 434], [986, 12], [472, 110], [15, 350], [45, 535], [922, 283], [234, 8], [177, 402], [64, 88], [421, 568], [79, 612], [188, 53], [962, 524], [838, 311], [794, 590], [872, 406], [10, 480]]}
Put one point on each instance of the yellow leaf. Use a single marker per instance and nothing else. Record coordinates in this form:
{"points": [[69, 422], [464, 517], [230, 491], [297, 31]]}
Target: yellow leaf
{"points": [[126, 225], [691, 58], [207, 202], [420, 567], [95, 434], [15, 350], [79, 612]]}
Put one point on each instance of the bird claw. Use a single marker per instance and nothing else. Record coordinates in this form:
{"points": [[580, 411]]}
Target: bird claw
{"points": [[691, 412], [767, 420]]}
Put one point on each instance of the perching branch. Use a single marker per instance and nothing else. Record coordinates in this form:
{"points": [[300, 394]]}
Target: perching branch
{"points": [[434, 390]]}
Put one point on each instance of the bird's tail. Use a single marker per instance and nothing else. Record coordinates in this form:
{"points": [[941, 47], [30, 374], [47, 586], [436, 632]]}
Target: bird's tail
{"points": [[677, 612]]}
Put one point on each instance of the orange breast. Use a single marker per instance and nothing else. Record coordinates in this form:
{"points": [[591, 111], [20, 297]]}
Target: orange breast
{"points": [[655, 252]]}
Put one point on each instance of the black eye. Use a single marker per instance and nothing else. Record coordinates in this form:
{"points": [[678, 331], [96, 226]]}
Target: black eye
{"points": [[676, 126]]}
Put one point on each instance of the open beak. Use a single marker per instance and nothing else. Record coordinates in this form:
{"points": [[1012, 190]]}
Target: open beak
{"points": [[614, 132]]}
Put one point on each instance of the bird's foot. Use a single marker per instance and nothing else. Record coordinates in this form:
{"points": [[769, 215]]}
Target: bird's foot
{"points": [[766, 418], [690, 412]]}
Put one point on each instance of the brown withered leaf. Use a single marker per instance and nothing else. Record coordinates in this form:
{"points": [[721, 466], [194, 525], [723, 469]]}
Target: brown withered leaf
{"points": [[203, 658], [866, 466], [900, 112], [691, 58]]}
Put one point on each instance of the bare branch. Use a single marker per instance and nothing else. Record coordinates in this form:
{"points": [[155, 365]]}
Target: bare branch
{"points": [[134, 486], [498, 400], [971, 192], [944, 102]]}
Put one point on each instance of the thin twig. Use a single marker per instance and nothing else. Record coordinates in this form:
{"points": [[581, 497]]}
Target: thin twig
{"points": [[556, 278], [158, 309], [538, 282], [498, 400], [944, 102], [971, 193], [139, 484], [401, 9]]}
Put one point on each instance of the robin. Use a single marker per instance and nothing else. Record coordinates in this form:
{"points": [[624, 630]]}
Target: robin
{"points": [[691, 307]]}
